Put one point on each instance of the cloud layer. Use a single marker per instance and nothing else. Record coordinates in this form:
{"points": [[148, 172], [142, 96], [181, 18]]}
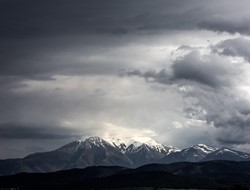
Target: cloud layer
{"points": [[214, 90], [166, 69]]}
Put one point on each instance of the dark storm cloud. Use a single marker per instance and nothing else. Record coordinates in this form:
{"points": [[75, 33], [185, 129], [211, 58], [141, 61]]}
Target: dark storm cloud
{"points": [[209, 82], [209, 70], [28, 131], [41, 59], [233, 136], [234, 47], [222, 108], [235, 119], [229, 25], [41, 39], [33, 33], [29, 19], [33, 18]]}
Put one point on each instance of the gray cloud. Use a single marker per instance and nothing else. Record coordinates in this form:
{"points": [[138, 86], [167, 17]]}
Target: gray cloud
{"points": [[234, 136], [207, 83], [29, 131], [234, 47], [222, 108], [36, 35], [226, 17], [27, 19], [229, 25], [161, 76], [60, 59], [210, 70]]}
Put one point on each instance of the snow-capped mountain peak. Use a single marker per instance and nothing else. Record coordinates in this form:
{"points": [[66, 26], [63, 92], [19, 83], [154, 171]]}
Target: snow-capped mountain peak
{"points": [[96, 141], [84, 144], [137, 143], [205, 148]]}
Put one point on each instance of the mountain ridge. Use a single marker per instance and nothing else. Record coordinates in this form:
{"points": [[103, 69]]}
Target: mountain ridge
{"points": [[96, 151]]}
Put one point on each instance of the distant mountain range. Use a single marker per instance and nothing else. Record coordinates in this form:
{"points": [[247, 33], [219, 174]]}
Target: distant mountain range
{"points": [[185, 175], [132, 153]]}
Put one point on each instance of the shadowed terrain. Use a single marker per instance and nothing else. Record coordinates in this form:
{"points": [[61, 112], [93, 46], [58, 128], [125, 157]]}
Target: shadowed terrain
{"points": [[208, 175]]}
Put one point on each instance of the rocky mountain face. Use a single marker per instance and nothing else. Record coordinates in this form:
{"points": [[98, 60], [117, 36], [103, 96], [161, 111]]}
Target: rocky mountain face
{"points": [[132, 153], [201, 152], [142, 151]]}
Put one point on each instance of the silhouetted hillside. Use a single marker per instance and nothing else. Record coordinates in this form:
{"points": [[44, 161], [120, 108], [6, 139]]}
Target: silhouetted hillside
{"points": [[209, 175]]}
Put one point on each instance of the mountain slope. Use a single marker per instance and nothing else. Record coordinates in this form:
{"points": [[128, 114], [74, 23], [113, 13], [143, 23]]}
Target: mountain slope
{"points": [[142, 150], [227, 154], [195, 153], [94, 151]]}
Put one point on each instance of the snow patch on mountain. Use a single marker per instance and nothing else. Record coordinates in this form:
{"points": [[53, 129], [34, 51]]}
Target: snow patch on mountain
{"points": [[237, 153], [136, 144], [136, 141], [204, 148]]}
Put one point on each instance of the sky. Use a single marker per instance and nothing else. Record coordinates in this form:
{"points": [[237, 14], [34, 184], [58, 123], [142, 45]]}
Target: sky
{"points": [[176, 71]]}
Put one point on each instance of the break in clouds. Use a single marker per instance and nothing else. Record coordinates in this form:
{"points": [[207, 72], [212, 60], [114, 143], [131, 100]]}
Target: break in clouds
{"points": [[176, 71]]}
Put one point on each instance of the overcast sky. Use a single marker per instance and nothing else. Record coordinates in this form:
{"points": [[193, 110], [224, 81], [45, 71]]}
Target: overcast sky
{"points": [[177, 71]]}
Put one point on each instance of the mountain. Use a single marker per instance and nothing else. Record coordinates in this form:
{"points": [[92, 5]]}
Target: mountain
{"points": [[185, 175], [203, 152], [195, 153], [96, 151], [142, 150], [93, 151], [133, 144], [227, 154]]}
